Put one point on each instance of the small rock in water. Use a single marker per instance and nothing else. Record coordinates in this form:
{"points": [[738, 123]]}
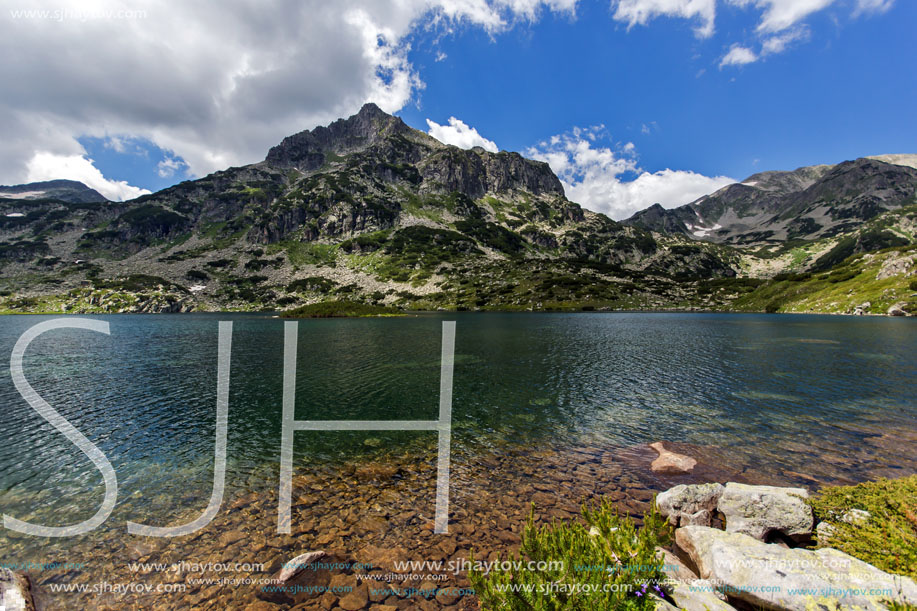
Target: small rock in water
{"points": [[299, 563], [670, 462]]}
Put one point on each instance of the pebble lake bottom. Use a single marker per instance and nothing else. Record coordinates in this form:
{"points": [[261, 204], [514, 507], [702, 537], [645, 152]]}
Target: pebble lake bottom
{"points": [[550, 409]]}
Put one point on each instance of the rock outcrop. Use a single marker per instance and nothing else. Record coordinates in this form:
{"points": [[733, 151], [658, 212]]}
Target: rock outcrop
{"points": [[776, 577], [807, 203], [763, 511], [686, 505]]}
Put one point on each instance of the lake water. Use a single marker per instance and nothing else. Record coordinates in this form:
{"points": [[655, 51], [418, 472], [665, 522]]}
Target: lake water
{"points": [[797, 399]]}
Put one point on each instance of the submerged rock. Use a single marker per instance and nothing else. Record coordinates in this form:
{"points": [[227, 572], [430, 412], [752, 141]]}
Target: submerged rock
{"points": [[299, 564], [670, 462], [776, 577], [685, 505], [759, 511]]}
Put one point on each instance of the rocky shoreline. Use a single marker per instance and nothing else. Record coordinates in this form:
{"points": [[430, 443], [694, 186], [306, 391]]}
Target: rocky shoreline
{"points": [[367, 517], [758, 557]]}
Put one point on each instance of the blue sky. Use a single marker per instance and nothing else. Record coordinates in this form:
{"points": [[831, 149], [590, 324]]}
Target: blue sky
{"points": [[630, 101], [847, 92]]}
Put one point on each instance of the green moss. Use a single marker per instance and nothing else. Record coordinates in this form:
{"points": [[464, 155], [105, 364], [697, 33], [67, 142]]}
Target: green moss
{"points": [[888, 538], [152, 218], [492, 235], [340, 309], [137, 283], [620, 555]]}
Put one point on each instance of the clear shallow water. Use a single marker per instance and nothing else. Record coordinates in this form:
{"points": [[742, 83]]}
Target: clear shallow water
{"points": [[784, 392]]}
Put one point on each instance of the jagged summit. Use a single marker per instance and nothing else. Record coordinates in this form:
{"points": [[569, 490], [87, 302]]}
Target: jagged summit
{"points": [[307, 149], [375, 139]]}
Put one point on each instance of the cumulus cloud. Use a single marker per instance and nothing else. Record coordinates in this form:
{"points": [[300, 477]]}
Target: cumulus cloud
{"points": [[634, 12], [872, 6], [597, 176], [782, 14], [221, 82], [169, 166], [737, 56], [48, 166], [461, 135], [781, 22]]}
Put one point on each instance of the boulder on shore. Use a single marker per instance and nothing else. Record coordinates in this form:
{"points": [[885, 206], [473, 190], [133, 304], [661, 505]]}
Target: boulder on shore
{"points": [[759, 511], [776, 577], [698, 595], [686, 505]]}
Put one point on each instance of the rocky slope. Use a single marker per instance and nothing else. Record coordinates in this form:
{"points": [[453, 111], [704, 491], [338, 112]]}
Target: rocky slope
{"points": [[64, 190], [806, 204], [366, 208]]}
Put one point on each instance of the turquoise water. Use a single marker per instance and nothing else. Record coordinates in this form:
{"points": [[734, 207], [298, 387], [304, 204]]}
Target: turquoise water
{"points": [[146, 395]]}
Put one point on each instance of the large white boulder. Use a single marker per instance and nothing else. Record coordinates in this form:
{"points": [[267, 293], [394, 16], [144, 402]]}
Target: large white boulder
{"points": [[758, 511], [776, 577]]}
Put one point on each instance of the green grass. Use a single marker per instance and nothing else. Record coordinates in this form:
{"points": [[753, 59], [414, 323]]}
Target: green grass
{"points": [[851, 283], [340, 309], [616, 553], [888, 538]]}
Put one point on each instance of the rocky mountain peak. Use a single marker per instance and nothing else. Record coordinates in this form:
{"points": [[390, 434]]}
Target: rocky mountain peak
{"points": [[306, 150]]}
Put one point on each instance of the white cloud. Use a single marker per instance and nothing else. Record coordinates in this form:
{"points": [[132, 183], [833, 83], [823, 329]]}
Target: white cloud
{"points": [[737, 56], [780, 42], [48, 166], [872, 6], [593, 176], [221, 82], [634, 12], [461, 135], [781, 23], [169, 166], [782, 14]]}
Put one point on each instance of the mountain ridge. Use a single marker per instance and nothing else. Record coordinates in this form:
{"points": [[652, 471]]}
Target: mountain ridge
{"points": [[366, 208], [370, 210], [65, 190], [804, 204]]}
